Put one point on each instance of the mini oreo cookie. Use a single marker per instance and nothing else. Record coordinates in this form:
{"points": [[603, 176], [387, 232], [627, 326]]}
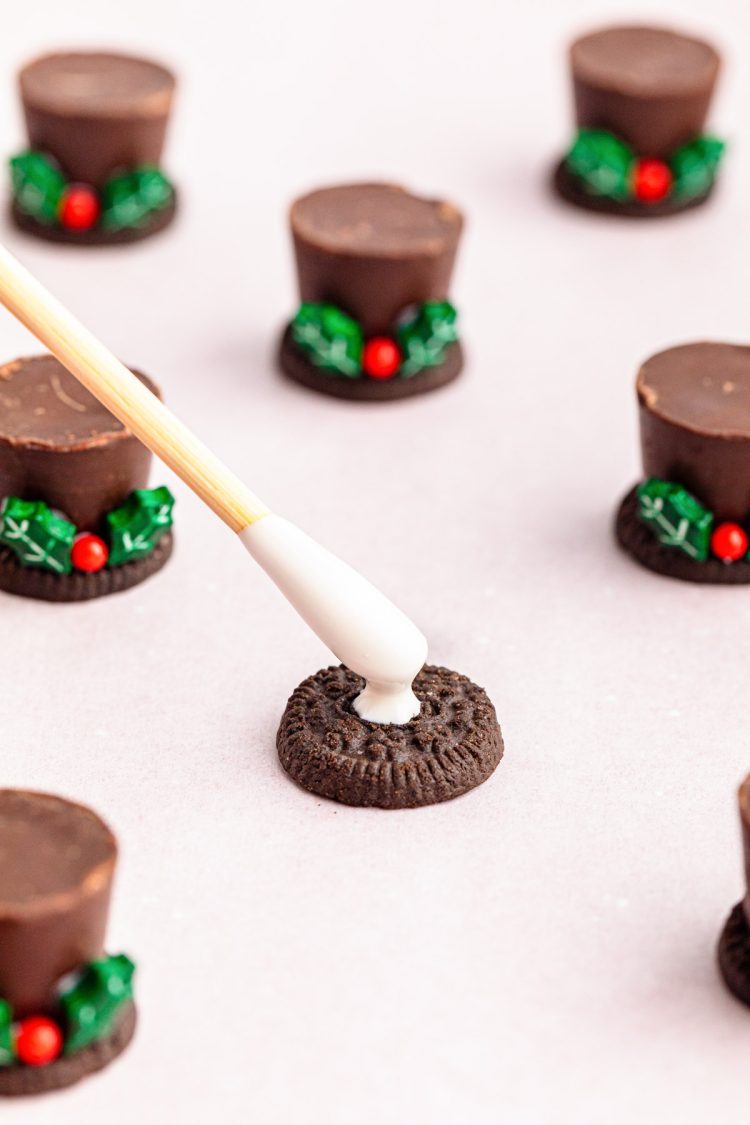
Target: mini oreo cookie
{"points": [[569, 188], [19, 1081], [34, 582], [295, 364], [635, 537], [453, 744], [734, 954], [97, 236]]}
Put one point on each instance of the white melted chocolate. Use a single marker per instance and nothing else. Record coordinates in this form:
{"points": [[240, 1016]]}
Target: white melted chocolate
{"points": [[365, 630]]}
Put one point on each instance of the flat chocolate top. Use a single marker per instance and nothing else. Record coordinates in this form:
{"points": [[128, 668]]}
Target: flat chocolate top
{"points": [[375, 219], [48, 846], [95, 83], [644, 61], [704, 387], [43, 406]]}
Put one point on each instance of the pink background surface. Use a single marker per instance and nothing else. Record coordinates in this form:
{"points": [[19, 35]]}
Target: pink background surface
{"points": [[541, 950]]}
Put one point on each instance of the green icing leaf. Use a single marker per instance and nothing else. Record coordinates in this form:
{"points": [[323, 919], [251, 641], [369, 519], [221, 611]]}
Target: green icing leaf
{"points": [[38, 185], [694, 166], [129, 200], [93, 1002], [7, 1050], [137, 526], [424, 338], [331, 339], [675, 517], [602, 162], [36, 534]]}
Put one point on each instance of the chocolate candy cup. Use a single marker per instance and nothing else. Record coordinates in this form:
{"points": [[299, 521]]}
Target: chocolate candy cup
{"points": [[96, 113], [650, 86], [60, 445], [55, 883], [694, 409], [373, 250]]}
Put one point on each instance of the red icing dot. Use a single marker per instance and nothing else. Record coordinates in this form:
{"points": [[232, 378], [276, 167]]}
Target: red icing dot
{"points": [[89, 553], [381, 357], [729, 542], [38, 1041], [652, 180], [79, 207]]}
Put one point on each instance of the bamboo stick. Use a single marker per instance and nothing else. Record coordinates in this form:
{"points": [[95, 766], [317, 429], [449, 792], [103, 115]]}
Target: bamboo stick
{"points": [[125, 396]]}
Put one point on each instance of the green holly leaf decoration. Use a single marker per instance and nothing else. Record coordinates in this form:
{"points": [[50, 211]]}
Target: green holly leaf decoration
{"points": [[331, 339], [36, 534], [91, 1005], [38, 185], [129, 200], [694, 166], [7, 1050], [602, 162], [425, 336], [675, 517], [137, 526]]}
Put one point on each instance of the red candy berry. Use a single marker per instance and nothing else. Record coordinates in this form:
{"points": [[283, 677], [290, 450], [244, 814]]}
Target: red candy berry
{"points": [[652, 180], [381, 357], [79, 207], [729, 542], [38, 1041], [89, 553]]}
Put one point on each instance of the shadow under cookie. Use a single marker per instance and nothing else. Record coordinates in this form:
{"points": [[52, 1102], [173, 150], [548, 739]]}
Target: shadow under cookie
{"points": [[20, 1081], [452, 746], [568, 187], [295, 364], [635, 537], [45, 585]]}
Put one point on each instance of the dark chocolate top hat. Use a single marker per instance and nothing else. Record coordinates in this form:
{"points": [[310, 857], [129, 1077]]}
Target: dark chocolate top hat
{"points": [[71, 472], [374, 265], [693, 507], [96, 124], [65, 1006], [642, 96]]}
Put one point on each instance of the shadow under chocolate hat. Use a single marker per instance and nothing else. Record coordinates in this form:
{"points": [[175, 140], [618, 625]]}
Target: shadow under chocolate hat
{"points": [[373, 250]]}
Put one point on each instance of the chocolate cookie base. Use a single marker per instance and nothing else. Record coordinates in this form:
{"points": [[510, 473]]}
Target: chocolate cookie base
{"points": [[453, 744], [98, 236], [32, 582], [734, 954], [569, 188], [21, 1081], [635, 537], [295, 364]]}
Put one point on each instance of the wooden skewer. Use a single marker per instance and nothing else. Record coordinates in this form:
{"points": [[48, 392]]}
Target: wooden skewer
{"points": [[125, 396], [358, 623]]}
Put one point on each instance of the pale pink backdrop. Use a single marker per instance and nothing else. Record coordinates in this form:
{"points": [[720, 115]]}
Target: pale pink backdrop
{"points": [[541, 950]]}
